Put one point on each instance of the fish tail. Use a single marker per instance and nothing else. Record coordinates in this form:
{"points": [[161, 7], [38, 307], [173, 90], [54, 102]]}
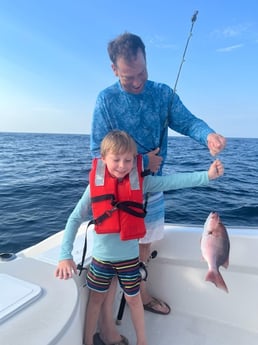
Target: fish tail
{"points": [[216, 278]]}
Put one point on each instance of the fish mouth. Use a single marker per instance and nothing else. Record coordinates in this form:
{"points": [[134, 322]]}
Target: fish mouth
{"points": [[214, 214], [213, 217]]}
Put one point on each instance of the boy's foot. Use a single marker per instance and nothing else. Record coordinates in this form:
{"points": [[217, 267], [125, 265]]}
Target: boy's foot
{"points": [[98, 341]]}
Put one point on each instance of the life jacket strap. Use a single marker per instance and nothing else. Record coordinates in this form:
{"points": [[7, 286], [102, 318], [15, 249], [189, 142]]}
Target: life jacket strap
{"points": [[103, 197], [80, 266], [126, 206]]}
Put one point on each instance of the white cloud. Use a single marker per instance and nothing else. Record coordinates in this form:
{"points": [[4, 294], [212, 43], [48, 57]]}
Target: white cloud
{"points": [[230, 48], [231, 31], [234, 31]]}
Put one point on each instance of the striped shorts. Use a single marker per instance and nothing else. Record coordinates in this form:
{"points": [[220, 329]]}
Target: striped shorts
{"points": [[100, 274]]}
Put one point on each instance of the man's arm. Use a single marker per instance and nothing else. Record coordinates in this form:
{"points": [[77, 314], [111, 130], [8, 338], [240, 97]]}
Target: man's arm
{"points": [[184, 122], [99, 127]]}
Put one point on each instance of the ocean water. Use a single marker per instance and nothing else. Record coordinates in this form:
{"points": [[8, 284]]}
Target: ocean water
{"points": [[42, 176]]}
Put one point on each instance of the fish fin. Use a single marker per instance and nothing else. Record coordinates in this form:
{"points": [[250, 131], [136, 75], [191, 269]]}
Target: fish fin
{"points": [[226, 263], [216, 278]]}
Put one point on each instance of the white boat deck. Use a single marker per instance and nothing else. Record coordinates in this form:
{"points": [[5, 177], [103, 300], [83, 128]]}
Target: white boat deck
{"points": [[201, 314], [178, 328]]}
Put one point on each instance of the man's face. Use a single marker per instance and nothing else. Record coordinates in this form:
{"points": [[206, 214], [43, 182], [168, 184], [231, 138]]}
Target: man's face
{"points": [[133, 74]]}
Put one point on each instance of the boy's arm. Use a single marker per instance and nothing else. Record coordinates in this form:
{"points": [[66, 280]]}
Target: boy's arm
{"points": [[80, 214], [66, 266], [182, 180]]}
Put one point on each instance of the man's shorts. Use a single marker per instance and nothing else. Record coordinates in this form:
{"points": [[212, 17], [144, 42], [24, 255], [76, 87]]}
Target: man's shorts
{"points": [[154, 220], [100, 274]]}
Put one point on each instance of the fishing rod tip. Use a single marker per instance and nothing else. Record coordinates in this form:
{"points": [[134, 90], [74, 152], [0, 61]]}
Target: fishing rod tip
{"points": [[194, 17]]}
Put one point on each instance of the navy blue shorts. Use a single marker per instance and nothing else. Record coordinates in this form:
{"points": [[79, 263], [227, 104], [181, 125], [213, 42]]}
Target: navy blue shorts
{"points": [[100, 274]]}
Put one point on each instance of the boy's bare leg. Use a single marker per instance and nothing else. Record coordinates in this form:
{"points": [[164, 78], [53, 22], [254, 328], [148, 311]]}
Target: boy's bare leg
{"points": [[95, 301], [137, 315], [108, 330]]}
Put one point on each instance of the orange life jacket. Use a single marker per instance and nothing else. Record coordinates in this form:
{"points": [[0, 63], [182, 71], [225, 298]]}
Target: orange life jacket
{"points": [[117, 206]]}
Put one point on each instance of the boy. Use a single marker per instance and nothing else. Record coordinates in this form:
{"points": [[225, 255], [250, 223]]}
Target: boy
{"points": [[115, 194]]}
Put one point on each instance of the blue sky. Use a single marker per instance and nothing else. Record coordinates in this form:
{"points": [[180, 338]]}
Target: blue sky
{"points": [[54, 62]]}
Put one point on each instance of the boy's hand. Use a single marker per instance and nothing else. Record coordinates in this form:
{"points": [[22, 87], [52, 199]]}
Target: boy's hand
{"points": [[216, 170], [65, 269]]}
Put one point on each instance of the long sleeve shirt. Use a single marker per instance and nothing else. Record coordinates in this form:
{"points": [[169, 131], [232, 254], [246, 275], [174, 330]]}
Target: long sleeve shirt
{"points": [[146, 117], [109, 247]]}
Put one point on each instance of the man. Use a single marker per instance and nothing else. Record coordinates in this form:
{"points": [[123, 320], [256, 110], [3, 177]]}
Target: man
{"points": [[145, 109]]}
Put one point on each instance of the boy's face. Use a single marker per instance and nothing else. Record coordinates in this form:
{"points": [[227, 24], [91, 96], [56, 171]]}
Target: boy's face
{"points": [[119, 165]]}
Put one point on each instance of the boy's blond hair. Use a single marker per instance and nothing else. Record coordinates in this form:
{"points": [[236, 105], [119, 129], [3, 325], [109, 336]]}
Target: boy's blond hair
{"points": [[118, 142]]}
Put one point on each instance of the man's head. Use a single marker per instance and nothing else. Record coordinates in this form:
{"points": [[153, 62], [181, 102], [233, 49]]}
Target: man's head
{"points": [[125, 46], [128, 56]]}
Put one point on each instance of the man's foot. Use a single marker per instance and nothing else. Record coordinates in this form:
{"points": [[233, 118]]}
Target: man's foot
{"points": [[157, 306]]}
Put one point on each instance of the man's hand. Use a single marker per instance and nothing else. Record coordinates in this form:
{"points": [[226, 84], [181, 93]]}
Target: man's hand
{"points": [[216, 143], [154, 160]]}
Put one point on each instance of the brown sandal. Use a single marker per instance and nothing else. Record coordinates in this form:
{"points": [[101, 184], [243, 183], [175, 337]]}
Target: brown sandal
{"points": [[98, 341], [154, 302]]}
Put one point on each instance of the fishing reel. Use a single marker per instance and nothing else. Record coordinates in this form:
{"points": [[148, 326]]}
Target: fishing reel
{"points": [[143, 269]]}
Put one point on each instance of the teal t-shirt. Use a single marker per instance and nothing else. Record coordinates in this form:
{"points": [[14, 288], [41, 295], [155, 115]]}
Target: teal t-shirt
{"points": [[109, 247]]}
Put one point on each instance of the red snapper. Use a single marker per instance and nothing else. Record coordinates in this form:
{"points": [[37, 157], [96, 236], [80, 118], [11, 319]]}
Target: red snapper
{"points": [[215, 249]]}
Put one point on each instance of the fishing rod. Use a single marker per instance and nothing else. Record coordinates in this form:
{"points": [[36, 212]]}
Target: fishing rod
{"points": [[144, 275], [194, 17], [193, 20]]}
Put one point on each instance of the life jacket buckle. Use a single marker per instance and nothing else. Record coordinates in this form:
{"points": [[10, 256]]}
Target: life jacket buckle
{"points": [[109, 212]]}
